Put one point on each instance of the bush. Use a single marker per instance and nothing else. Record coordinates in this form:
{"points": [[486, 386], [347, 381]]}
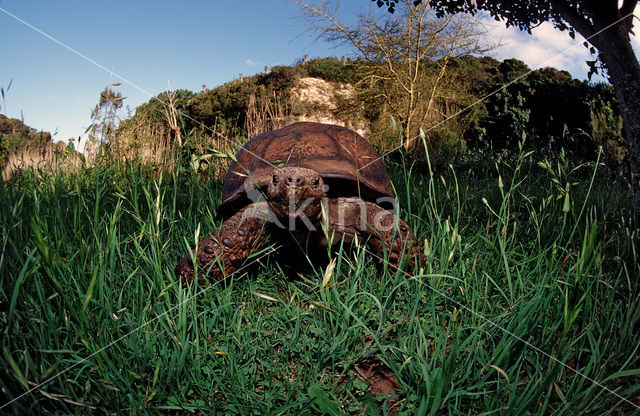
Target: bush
{"points": [[330, 69], [280, 79]]}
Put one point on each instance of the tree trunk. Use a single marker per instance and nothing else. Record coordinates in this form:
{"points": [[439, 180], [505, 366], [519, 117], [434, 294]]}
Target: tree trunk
{"points": [[624, 75], [608, 30]]}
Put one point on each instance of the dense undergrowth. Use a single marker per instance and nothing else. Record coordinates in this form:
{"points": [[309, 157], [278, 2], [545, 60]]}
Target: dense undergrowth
{"points": [[529, 302]]}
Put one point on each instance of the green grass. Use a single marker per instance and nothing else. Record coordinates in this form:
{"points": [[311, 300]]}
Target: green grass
{"points": [[529, 302]]}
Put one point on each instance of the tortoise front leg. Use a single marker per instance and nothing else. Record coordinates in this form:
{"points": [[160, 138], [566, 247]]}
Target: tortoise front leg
{"points": [[225, 251], [384, 232]]}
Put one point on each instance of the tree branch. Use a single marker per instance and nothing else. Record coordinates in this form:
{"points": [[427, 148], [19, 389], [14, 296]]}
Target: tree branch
{"points": [[313, 11], [571, 15], [628, 7]]}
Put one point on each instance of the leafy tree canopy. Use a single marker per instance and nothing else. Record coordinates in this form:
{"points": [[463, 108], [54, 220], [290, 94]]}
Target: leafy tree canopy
{"points": [[528, 14]]}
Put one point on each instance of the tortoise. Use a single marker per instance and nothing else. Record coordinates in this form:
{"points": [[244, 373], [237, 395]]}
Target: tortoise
{"points": [[310, 186]]}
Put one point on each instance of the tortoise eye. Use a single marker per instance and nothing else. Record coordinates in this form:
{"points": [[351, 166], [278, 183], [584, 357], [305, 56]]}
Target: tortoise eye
{"points": [[274, 179], [316, 182]]}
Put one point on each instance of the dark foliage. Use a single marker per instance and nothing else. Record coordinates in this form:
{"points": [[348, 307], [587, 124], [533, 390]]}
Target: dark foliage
{"points": [[549, 110]]}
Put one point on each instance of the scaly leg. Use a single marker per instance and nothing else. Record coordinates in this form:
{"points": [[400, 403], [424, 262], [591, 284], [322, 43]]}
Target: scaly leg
{"points": [[348, 217], [225, 251]]}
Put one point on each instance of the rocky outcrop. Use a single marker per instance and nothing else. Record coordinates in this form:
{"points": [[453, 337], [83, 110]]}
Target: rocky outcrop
{"points": [[318, 103]]}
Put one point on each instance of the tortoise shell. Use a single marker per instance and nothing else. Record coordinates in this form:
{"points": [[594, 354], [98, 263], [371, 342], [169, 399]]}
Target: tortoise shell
{"points": [[345, 160]]}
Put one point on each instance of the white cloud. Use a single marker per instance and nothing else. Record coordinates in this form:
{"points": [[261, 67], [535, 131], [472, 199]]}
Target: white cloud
{"points": [[547, 46], [635, 40], [251, 62]]}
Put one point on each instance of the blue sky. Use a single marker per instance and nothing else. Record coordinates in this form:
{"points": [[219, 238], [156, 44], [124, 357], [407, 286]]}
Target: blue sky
{"points": [[153, 43]]}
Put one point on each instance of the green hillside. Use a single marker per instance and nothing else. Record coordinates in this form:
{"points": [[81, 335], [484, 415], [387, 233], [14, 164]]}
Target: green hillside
{"points": [[486, 105]]}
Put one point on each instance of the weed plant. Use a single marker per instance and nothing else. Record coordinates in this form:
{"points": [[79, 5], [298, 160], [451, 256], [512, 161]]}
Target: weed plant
{"points": [[529, 301]]}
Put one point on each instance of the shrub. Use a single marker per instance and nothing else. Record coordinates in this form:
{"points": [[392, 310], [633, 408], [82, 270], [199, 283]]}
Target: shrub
{"points": [[330, 69]]}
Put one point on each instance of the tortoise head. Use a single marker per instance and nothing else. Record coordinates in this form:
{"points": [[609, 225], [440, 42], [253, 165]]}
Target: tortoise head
{"points": [[296, 193]]}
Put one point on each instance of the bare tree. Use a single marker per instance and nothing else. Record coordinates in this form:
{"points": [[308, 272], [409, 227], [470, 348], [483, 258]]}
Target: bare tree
{"points": [[408, 54], [170, 114]]}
